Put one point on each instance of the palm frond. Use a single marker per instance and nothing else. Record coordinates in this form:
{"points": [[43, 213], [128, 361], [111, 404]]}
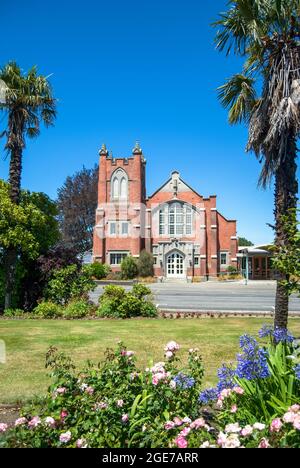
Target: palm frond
{"points": [[239, 96]]}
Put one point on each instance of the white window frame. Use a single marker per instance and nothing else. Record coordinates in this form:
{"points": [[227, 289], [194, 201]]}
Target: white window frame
{"points": [[122, 224], [221, 263], [111, 224], [116, 181], [123, 253], [176, 219]]}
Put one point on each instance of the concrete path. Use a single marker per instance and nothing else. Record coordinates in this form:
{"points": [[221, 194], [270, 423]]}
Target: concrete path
{"points": [[256, 297]]}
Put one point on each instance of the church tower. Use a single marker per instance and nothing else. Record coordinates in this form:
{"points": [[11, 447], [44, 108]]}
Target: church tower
{"points": [[120, 215]]}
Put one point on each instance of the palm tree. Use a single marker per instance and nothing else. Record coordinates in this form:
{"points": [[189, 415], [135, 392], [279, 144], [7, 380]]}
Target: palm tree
{"points": [[266, 96], [28, 101]]}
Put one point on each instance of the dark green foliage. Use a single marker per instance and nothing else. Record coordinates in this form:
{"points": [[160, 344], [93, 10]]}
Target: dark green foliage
{"points": [[145, 264], [69, 283], [117, 303], [243, 242], [98, 270], [129, 268]]}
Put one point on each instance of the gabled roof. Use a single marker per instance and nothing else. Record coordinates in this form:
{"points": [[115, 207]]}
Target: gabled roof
{"points": [[174, 175]]}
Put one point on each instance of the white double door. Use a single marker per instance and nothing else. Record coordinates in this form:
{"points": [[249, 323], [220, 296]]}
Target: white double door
{"points": [[175, 267]]}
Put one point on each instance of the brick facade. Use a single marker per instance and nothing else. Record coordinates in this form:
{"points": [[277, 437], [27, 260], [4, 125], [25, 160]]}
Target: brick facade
{"points": [[184, 230]]}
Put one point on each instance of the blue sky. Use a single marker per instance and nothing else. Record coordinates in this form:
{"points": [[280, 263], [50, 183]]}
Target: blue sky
{"points": [[127, 70]]}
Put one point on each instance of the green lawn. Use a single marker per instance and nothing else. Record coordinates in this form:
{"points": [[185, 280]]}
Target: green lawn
{"points": [[27, 341]]}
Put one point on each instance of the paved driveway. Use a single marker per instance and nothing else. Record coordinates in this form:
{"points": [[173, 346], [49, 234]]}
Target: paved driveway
{"points": [[215, 296]]}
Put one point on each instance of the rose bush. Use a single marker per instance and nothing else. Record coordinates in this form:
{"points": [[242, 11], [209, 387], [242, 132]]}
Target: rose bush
{"points": [[256, 402]]}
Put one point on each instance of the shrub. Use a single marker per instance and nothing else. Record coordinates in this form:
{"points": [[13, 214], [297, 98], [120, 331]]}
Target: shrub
{"points": [[97, 270], [48, 310], [13, 313], [148, 309], [141, 291], [77, 310], [145, 264], [232, 270], [129, 268], [69, 283], [116, 303], [114, 276]]}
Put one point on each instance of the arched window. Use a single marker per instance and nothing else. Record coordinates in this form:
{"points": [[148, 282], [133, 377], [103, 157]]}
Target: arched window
{"points": [[176, 219], [123, 188], [119, 185]]}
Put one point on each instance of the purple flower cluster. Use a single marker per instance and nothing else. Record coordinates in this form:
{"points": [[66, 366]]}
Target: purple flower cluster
{"points": [[297, 371], [226, 378], [279, 335], [208, 395], [184, 381], [282, 335], [252, 362]]}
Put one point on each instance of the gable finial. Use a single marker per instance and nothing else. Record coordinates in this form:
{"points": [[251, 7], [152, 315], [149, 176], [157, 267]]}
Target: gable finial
{"points": [[137, 149], [103, 151]]}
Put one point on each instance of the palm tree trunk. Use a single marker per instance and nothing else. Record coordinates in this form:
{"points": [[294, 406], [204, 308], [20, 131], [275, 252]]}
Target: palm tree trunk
{"points": [[11, 254], [286, 189]]}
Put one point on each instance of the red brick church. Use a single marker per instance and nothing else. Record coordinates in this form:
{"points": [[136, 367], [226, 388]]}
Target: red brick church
{"points": [[185, 232]]}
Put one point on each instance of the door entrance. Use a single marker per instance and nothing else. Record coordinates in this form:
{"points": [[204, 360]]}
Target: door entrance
{"points": [[175, 265]]}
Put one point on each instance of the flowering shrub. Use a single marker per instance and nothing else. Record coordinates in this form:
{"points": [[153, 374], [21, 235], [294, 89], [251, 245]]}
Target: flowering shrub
{"points": [[116, 404]]}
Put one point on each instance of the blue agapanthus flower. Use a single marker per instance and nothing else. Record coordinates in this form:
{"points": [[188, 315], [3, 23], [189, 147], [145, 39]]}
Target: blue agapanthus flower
{"points": [[209, 395], [297, 371], [282, 335], [252, 362], [226, 378], [279, 335], [184, 381], [266, 331]]}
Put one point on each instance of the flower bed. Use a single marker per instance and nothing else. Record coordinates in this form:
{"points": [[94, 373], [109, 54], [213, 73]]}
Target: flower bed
{"points": [[115, 404]]}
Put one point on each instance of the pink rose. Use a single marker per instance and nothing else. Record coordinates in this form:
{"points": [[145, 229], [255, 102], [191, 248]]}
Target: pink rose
{"points": [[169, 425], [81, 443], [129, 353], [246, 431], [238, 390], [233, 428], [3, 427], [296, 422], [89, 390], [289, 417], [225, 393], [264, 444], [20, 421], [120, 403], [65, 437], [169, 354], [294, 408], [34, 422], [177, 421], [61, 390], [185, 432], [125, 418], [276, 425], [181, 442], [259, 426], [222, 438], [49, 421], [63, 414], [198, 423], [233, 409], [172, 346]]}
